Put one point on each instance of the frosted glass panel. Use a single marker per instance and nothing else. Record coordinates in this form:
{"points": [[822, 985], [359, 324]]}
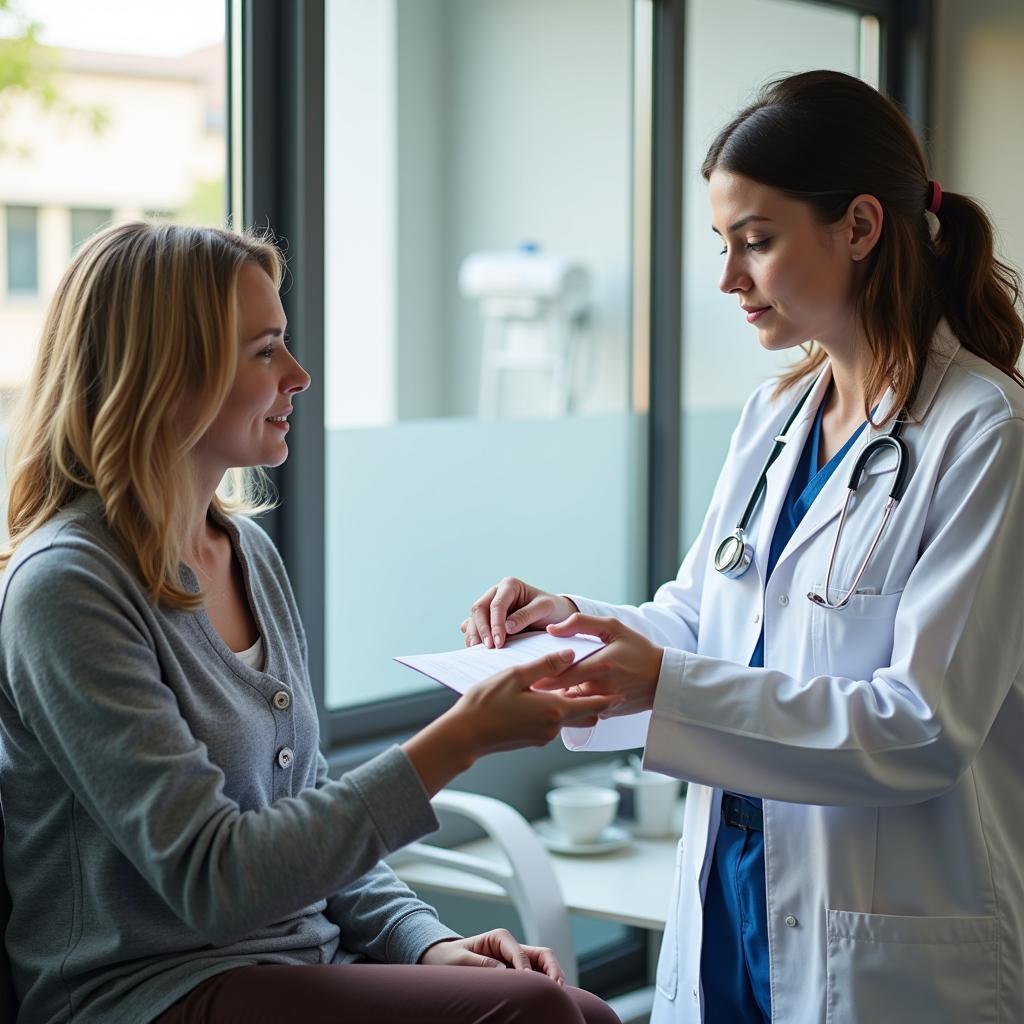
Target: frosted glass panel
{"points": [[422, 516]]}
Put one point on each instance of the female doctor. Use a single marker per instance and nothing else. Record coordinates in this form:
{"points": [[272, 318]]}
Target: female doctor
{"points": [[839, 673]]}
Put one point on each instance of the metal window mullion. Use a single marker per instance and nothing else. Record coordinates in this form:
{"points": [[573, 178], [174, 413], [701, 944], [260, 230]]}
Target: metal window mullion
{"points": [[665, 373], [282, 174]]}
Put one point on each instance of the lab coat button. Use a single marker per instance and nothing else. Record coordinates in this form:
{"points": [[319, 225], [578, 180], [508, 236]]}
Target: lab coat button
{"points": [[783, 599], [285, 757], [694, 993], [791, 921], [281, 700], [756, 618]]}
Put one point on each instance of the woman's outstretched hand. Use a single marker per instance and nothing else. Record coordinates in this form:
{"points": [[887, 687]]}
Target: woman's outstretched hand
{"points": [[625, 670], [507, 711], [509, 607], [497, 948]]}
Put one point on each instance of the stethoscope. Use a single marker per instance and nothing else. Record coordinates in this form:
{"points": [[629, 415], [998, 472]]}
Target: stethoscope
{"points": [[734, 554]]}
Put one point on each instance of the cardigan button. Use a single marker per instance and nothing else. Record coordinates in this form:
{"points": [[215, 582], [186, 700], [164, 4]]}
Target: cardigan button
{"points": [[281, 700], [285, 757]]}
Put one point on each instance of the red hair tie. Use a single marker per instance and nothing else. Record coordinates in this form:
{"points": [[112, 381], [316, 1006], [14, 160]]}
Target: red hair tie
{"points": [[934, 197]]}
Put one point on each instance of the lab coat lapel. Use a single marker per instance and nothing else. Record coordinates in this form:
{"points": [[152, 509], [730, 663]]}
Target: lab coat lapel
{"points": [[828, 504], [781, 473]]}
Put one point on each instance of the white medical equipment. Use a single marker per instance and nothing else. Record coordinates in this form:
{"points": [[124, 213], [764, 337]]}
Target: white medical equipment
{"points": [[734, 554], [534, 308]]}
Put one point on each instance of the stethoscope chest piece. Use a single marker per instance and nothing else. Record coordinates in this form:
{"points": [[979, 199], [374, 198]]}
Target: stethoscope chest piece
{"points": [[734, 555]]}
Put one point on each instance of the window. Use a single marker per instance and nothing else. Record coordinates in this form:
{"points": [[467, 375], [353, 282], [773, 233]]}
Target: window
{"points": [[22, 250], [479, 336], [87, 222]]}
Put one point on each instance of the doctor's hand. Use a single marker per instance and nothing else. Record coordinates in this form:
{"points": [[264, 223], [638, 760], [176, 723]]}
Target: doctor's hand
{"points": [[497, 948], [509, 607], [504, 712], [625, 669]]}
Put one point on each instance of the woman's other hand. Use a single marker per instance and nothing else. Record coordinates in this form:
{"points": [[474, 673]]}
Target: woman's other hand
{"points": [[509, 607], [505, 712], [625, 670], [497, 948]]}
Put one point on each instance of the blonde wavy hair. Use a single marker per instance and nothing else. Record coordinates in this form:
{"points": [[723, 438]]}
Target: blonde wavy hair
{"points": [[138, 351]]}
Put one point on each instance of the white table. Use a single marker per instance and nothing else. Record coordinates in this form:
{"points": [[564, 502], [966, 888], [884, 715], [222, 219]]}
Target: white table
{"points": [[629, 886]]}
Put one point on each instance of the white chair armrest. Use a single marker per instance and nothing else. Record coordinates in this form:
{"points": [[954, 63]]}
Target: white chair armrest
{"points": [[526, 873]]}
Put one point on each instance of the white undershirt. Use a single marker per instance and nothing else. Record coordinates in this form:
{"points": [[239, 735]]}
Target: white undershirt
{"points": [[253, 657]]}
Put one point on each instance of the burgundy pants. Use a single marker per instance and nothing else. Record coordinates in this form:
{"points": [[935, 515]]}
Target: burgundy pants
{"points": [[384, 994]]}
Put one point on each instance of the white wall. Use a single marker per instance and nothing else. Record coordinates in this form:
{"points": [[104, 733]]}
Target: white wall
{"points": [[978, 115], [462, 125], [541, 140]]}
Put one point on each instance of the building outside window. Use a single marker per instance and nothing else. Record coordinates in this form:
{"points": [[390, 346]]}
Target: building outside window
{"points": [[102, 120], [22, 250], [86, 222]]}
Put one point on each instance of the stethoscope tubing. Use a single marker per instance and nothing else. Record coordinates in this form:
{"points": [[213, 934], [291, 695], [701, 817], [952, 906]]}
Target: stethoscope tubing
{"points": [[899, 486], [734, 555]]}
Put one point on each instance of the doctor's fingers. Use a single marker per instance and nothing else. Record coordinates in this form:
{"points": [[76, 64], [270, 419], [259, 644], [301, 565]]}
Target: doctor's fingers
{"points": [[540, 608], [605, 627], [583, 711], [599, 668], [477, 626], [510, 593], [541, 670]]}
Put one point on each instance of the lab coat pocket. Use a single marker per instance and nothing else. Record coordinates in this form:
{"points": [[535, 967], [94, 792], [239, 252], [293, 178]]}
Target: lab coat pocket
{"points": [[911, 970], [667, 978], [855, 640]]}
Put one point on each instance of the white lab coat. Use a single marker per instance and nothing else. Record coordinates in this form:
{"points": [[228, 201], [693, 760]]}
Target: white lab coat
{"points": [[887, 738]]}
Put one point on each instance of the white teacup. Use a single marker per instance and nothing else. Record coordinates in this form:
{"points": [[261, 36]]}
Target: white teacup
{"points": [[654, 800], [582, 813]]}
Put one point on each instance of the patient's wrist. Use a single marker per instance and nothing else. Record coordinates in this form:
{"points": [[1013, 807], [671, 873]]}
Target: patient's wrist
{"points": [[441, 751]]}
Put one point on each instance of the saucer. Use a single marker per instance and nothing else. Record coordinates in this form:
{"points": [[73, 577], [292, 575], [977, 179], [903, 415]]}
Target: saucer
{"points": [[612, 838]]}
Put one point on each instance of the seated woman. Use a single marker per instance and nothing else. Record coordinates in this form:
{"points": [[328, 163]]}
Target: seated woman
{"points": [[174, 847]]}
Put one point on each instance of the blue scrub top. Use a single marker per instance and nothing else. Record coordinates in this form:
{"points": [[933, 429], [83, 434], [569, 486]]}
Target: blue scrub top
{"points": [[805, 487]]}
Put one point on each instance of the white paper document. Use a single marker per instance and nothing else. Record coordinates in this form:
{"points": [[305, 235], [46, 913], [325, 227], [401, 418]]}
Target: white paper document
{"points": [[462, 669]]}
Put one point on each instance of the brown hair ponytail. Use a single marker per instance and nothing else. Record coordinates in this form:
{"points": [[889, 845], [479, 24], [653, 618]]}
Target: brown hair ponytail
{"points": [[824, 137], [980, 294]]}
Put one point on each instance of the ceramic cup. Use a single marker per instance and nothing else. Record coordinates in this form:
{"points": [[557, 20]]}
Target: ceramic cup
{"points": [[582, 813], [654, 799]]}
